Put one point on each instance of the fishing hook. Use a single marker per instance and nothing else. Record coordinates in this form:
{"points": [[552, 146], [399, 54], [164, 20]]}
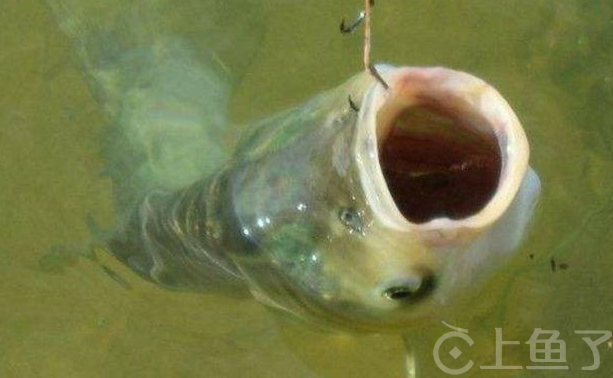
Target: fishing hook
{"points": [[346, 29], [353, 105], [376, 75]]}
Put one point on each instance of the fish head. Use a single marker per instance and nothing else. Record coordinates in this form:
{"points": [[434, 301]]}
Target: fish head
{"points": [[378, 217]]}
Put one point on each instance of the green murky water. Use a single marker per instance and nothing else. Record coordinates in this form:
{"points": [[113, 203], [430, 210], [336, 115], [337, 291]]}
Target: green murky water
{"points": [[64, 316]]}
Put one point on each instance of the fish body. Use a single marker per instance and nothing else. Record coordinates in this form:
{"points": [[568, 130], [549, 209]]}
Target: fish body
{"points": [[303, 215], [372, 219]]}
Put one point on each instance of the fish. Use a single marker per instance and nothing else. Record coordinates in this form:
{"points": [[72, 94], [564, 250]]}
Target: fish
{"points": [[372, 213]]}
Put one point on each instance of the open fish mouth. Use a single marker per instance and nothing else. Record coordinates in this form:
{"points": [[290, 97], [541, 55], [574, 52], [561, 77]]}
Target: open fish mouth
{"points": [[436, 163], [441, 150]]}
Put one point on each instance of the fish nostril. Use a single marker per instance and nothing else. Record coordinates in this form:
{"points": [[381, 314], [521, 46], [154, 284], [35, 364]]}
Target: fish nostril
{"points": [[411, 291]]}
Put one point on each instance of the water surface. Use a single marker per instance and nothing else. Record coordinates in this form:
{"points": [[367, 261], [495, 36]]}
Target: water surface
{"points": [[68, 316]]}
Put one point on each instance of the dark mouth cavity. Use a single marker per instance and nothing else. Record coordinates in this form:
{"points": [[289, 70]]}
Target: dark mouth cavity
{"points": [[437, 165]]}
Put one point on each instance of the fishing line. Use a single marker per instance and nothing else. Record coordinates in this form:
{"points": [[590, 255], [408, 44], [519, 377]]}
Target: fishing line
{"points": [[364, 17]]}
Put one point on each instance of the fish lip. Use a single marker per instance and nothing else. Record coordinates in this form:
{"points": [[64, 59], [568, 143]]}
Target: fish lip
{"points": [[406, 86]]}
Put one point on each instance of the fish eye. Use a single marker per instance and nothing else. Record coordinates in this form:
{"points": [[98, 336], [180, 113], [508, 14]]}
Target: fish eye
{"points": [[351, 218], [410, 293]]}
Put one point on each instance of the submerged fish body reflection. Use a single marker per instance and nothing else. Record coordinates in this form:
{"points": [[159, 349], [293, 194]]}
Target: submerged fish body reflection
{"points": [[371, 219]]}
